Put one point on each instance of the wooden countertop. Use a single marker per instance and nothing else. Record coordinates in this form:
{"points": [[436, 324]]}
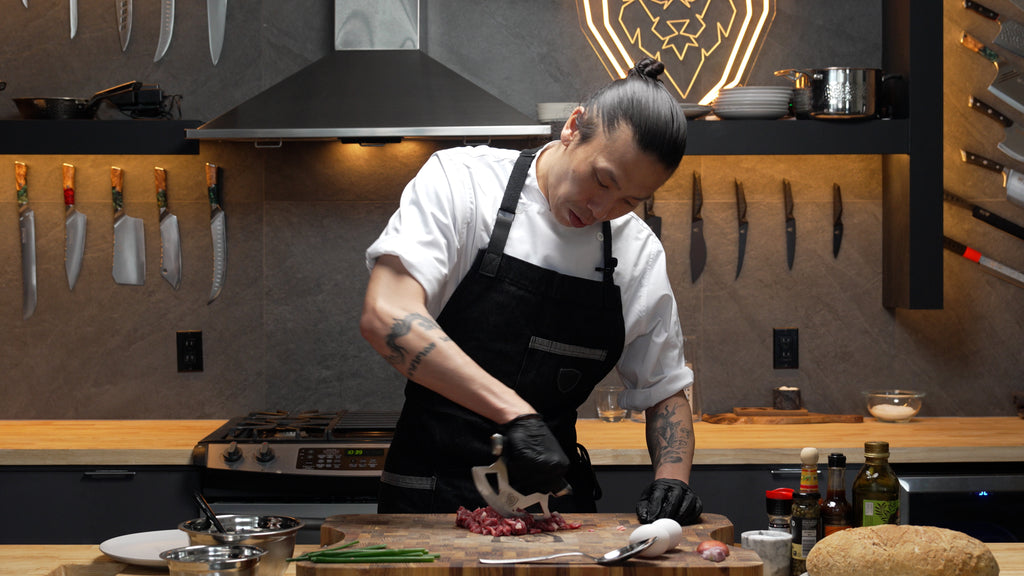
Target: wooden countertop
{"points": [[923, 440], [73, 560]]}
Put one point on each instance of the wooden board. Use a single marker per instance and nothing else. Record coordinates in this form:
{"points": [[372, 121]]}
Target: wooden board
{"points": [[808, 418], [766, 411], [460, 549]]}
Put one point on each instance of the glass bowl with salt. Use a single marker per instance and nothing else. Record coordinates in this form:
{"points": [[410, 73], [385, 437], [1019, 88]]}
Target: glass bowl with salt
{"points": [[894, 405]]}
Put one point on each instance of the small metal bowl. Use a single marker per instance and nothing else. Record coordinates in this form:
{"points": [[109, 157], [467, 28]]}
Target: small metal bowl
{"points": [[894, 405], [275, 534], [213, 560]]}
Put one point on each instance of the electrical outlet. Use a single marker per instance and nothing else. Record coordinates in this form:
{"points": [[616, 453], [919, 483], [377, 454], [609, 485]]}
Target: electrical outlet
{"points": [[785, 348], [190, 351]]}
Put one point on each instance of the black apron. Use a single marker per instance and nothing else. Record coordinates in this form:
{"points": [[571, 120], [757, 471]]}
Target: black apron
{"points": [[549, 336]]}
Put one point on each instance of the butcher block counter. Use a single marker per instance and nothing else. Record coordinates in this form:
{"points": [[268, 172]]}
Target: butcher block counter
{"points": [[923, 440]]}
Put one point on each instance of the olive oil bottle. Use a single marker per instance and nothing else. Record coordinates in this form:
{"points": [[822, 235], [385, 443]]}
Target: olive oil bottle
{"points": [[876, 490]]}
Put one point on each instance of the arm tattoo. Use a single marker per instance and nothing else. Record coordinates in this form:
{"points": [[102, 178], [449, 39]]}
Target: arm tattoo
{"points": [[670, 435], [401, 327]]}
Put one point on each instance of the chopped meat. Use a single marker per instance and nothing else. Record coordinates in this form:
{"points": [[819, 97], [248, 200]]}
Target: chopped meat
{"points": [[489, 521]]}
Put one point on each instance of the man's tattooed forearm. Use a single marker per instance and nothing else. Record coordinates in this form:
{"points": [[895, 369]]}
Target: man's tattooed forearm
{"points": [[419, 358], [671, 437], [402, 327]]}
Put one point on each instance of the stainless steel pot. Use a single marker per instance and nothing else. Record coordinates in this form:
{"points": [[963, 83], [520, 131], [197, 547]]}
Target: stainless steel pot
{"points": [[275, 534], [839, 93]]}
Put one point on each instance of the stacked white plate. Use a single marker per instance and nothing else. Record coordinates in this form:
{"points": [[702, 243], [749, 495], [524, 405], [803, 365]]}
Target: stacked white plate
{"points": [[761, 102]]}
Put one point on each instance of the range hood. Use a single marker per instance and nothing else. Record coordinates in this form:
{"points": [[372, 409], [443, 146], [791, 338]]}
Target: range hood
{"points": [[371, 96]]}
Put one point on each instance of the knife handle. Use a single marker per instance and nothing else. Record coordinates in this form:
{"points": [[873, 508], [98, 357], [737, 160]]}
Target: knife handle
{"points": [[989, 111], [954, 246], [21, 180], [837, 204], [698, 196], [972, 158], [972, 43], [787, 198], [741, 201], [116, 183], [984, 11], [69, 184], [212, 188], [160, 178]]}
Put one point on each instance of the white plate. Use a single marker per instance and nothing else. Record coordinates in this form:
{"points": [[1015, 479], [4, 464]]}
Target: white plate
{"points": [[750, 114], [144, 548], [693, 111]]}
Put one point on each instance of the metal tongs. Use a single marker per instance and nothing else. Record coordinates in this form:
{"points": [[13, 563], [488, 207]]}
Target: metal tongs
{"points": [[507, 500]]}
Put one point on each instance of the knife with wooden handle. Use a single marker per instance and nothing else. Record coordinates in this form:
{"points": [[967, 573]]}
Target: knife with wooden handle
{"points": [[129, 237], [787, 193], [741, 216], [698, 249], [1013, 136], [170, 238], [74, 229], [27, 226], [218, 228]]}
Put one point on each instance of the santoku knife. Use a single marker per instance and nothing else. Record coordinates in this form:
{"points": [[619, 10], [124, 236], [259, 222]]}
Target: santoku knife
{"points": [[166, 28], [124, 21], [1013, 136], [984, 215], [73, 8], [698, 250], [1011, 33], [27, 225], [787, 193], [994, 267], [741, 215], [170, 238], [216, 17], [74, 229], [837, 219], [1007, 85], [218, 228]]}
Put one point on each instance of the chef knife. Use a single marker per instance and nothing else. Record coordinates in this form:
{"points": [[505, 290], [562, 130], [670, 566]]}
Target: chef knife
{"points": [[787, 193], [698, 250], [166, 28], [218, 228], [650, 218], [170, 238], [1011, 33], [129, 237], [837, 219], [1007, 85], [74, 229], [27, 224], [124, 22], [1013, 136], [1011, 177], [216, 16], [73, 7], [984, 215], [741, 215], [994, 267]]}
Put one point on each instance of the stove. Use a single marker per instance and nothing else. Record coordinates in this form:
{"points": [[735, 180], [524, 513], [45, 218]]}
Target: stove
{"points": [[312, 443]]}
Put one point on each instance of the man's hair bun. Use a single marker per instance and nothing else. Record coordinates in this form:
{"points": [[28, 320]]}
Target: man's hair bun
{"points": [[649, 67]]}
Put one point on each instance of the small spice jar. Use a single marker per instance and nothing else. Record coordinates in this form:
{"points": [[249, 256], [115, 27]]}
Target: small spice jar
{"points": [[779, 504], [805, 526]]}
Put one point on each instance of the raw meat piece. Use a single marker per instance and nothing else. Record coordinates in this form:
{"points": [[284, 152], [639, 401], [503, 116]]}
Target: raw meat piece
{"points": [[488, 521]]}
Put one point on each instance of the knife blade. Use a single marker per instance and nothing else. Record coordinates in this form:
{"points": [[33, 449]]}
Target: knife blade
{"points": [[25, 3], [652, 220], [74, 229], [73, 8], [698, 250], [507, 500], [984, 215], [166, 28], [216, 17], [741, 215], [1010, 175], [994, 267], [129, 237], [1008, 85], [124, 22], [27, 225], [837, 219], [170, 238], [1011, 33], [1013, 136], [787, 193], [218, 228]]}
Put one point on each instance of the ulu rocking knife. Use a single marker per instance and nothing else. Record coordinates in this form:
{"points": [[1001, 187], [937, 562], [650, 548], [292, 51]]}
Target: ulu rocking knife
{"points": [[994, 267], [124, 22], [1013, 136], [698, 250], [837, 219], [166, 28], [787, 192], [129, 237], [507, 500], [218, 228], [1011, 33], [170, 238], [1008, 85], [27, 225], [985, 216], [741, 214], [74, 229], [216, 17]]}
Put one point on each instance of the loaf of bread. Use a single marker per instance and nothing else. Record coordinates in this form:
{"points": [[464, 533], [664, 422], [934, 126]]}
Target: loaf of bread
{"points": [[892, 550]]}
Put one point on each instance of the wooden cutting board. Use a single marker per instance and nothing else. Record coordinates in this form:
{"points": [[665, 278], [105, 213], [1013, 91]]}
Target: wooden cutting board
{"points": [[460, 549], [759, 415]]}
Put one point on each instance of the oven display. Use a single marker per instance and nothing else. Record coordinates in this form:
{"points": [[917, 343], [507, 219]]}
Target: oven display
{"points": [[350, 458]]}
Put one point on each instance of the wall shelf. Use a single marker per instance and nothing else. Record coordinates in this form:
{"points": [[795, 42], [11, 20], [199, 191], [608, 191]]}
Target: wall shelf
{"points": [[742, 137], [97, 137]]}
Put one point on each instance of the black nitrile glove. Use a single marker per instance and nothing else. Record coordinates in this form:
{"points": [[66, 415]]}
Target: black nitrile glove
{"points": [[535, 461], [668, 498]]}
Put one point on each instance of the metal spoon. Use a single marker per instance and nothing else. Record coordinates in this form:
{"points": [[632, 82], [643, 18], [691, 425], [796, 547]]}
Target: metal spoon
{"points": [[613, 557], [205, 506]]}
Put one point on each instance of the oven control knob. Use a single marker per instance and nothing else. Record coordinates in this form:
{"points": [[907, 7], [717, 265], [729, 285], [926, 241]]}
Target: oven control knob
{"points": [[265, 453], [233, 453]]}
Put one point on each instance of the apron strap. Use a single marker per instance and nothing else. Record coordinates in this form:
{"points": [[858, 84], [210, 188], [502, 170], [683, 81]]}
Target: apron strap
{"points": [[609, 262], [506, 213]]}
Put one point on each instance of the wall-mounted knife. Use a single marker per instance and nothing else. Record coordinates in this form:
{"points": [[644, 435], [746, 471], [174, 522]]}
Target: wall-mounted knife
{"points": [[216, 18], [74, 229], [1007, 85], [166, 28], [129, 237], [984, 215], [27, 225], [170, 238], [652, 220], [1013, 180], [787, 195], [698, 251], [741, 216], [218, 228], [837, 219], [1013, 136], [1011, 33], [73, 8], [994, 267], [124, 22]]}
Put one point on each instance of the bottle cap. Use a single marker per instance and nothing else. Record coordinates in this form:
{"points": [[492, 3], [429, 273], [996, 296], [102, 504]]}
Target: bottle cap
{"points": [[779, 502], [779, 494], [807, 496], [876, 449], [836, 460]]}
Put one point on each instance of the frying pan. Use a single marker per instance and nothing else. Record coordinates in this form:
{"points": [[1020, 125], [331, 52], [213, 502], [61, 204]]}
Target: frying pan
{"points": [[68, 108]]}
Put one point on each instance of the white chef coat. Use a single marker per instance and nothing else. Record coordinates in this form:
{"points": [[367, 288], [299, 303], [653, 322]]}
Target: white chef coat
{"points": [[445, 218]]}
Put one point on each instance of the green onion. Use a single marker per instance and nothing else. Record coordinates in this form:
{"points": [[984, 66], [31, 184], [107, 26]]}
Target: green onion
{"points": [[377, 553]]}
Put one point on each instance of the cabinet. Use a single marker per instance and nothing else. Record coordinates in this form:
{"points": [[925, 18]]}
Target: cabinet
{"points": [[97, 137]]}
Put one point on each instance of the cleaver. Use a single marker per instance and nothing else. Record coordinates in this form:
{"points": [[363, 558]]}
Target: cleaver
{"points": [[129, 237], [1011, 33], [170, 237], [1013, 136], [1008, 84], [74, 229]]}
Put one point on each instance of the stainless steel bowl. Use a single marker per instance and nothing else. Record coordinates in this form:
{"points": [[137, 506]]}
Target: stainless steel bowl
{"points": [[213, 560], [275, 534]]}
